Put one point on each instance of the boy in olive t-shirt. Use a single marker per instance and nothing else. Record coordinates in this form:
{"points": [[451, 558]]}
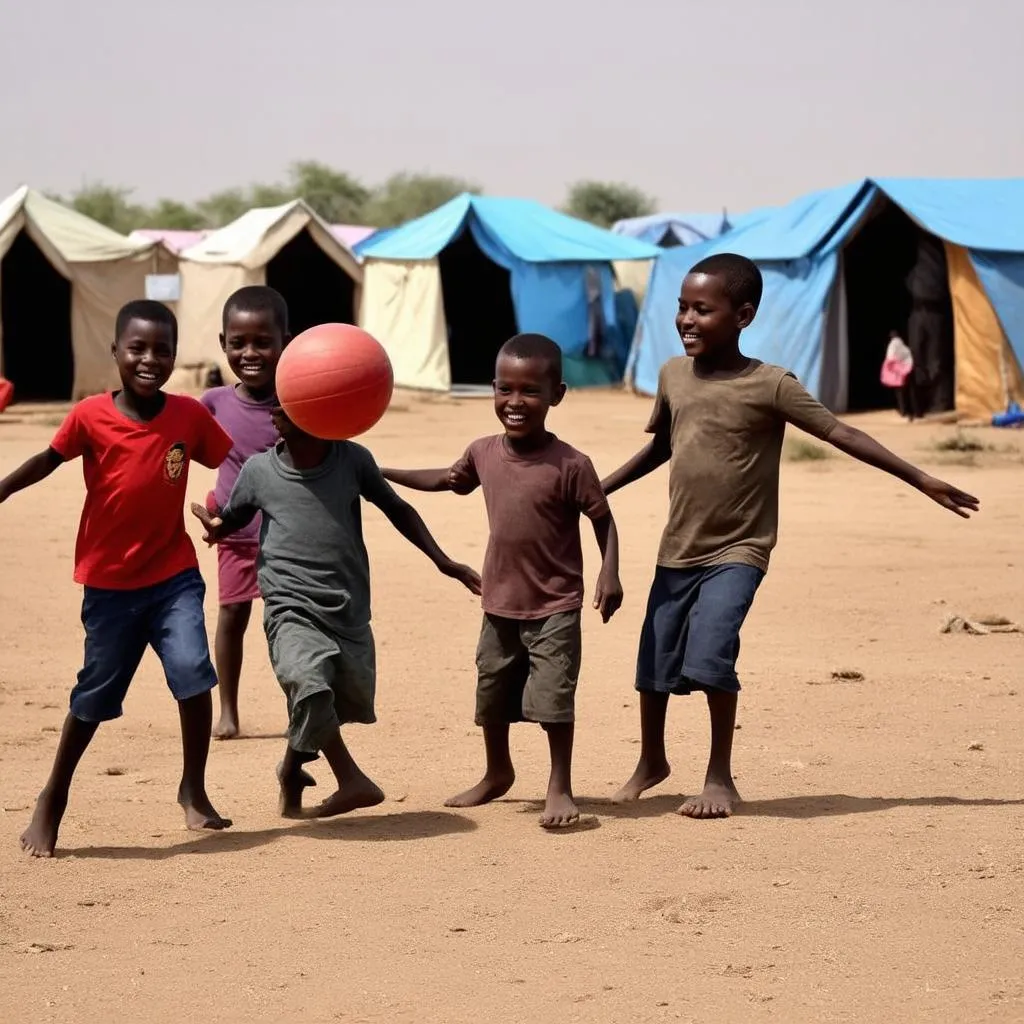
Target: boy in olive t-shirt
{"points": [[719, 419]]}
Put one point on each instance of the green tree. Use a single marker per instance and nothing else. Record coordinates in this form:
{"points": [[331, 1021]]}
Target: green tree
{"points": [[222, 207], [173, 216], [603, 203], [406, 196], [336, 196], [108, 204]]}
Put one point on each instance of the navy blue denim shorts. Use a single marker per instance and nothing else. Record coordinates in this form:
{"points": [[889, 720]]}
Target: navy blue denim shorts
{"points": [[691, 634], [121, 624]]}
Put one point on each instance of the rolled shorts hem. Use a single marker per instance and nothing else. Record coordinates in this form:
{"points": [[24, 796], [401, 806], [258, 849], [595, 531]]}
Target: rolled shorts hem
{"points": [[688, 683], [566, 719]]}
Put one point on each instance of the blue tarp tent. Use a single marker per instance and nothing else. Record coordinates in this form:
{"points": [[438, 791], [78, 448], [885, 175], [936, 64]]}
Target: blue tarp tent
{"points": [[443, 292], [836, 266], [671, 229]]}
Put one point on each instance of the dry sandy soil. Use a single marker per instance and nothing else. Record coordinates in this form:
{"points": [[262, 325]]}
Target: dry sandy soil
{"points": [[876, 872]]}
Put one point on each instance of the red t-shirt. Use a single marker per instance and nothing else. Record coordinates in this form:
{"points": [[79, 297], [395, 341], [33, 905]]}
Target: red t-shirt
{"points": [[132, 532]]}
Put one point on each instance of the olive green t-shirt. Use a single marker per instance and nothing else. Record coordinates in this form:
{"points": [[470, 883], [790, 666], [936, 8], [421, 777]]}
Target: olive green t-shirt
{"points": [[726, 439]]}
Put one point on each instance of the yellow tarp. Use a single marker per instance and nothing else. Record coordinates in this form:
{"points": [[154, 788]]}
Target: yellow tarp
{"points": [[987, 374], [403, 308]]}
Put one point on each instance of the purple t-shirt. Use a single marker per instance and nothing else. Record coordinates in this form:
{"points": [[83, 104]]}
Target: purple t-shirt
{"points": [[252, 431]]}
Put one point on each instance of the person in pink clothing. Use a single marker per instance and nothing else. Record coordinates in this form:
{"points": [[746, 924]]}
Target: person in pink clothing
{"points": [[255, 332], [898, 374]]}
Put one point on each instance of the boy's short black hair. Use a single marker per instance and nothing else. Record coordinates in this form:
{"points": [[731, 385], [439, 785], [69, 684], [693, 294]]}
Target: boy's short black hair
{"points": [[258, 298], [740, 276], [149, 311], [535, 346]]}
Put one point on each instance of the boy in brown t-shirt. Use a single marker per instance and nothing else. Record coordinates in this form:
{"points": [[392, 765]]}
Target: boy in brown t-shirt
{"points": [[719, 420], [535, 487]]}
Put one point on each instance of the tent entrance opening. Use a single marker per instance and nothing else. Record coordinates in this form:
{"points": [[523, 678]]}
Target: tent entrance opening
{"points": [[477, 296], [896, 280], [316, 289], [35, 318]]}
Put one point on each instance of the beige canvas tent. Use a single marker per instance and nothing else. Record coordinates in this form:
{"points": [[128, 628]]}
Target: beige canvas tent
{"points": [[63, 278], [287, 247]]}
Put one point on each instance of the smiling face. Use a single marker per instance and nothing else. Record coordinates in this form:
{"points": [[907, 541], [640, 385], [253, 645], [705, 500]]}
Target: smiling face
{"points": [[708, 323], [253, 342], [144, 353], [524, 390]]}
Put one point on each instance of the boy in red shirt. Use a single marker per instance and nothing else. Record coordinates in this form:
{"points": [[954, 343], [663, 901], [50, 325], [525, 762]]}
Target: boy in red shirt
{"points": [[134, 558], [535, 488]]}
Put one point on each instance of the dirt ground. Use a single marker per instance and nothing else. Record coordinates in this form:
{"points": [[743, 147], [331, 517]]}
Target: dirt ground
{"points": [[875, 873]]}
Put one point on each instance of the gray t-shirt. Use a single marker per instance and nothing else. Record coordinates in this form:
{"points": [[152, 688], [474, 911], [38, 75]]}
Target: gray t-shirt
{"points": [[312, 557]]}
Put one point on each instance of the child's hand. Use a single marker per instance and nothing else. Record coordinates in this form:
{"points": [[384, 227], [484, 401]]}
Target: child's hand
{"points": [[468, 577], [458, 482], [211, 523], [608, 596], [949, 496]]}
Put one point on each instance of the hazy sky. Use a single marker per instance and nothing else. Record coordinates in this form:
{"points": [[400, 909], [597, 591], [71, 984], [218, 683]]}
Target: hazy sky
{"points": [[733, 103]]}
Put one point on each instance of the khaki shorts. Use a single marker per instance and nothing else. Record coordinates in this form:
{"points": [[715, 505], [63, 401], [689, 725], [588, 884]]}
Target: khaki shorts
{"points": [[527, 669]]}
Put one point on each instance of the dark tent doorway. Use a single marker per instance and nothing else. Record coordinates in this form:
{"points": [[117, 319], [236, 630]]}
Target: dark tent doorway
{"points": [[35, 317], [896, 280], [477, 296], [316, 289]]}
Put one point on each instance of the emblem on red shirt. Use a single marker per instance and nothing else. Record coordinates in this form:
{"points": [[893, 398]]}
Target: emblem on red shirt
{"points": [[174, 462]]}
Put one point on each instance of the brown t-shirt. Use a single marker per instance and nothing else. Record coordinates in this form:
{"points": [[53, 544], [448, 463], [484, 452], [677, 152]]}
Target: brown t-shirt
{"points": [[533, 567], [726, 438]]}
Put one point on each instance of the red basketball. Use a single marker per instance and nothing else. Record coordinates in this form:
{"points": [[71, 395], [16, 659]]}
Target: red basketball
{"points": [[334, 381], [6, 393]]}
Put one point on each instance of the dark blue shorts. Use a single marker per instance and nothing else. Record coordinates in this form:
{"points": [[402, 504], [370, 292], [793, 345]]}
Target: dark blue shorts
{"points": [[121, 624], [691, 635]]}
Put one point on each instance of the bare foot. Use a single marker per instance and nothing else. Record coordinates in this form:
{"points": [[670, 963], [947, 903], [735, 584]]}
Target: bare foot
{"points": [[289, 803], [489, 788], [560, 811], [645, 777], [718, 800], [227, 728], [362, 793], [200, 813], [40, 838]]}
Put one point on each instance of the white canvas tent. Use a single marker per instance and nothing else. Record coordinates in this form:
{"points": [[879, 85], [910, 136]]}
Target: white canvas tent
{"points": [[287, 247], [63, 277]]}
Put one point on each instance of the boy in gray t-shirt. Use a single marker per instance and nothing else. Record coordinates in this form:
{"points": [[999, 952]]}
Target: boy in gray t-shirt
{"points": [[314, 575]]}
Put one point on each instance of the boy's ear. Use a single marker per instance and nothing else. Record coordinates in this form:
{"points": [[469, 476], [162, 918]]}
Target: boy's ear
{"points": [[223, 343], [559, 393], [745, 315]]}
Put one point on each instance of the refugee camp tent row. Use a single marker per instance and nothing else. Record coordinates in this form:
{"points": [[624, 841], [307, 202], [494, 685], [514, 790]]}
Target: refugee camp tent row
{"points": [[63, 278], [445, 291], [287, 247], [939, 261]]}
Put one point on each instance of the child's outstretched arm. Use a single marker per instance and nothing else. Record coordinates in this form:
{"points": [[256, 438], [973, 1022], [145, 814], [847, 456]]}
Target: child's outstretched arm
{"points": [[429, 479], [30, 472], [608, 596], [654, 454], [408, 522], [218, 525], [867, 450]]}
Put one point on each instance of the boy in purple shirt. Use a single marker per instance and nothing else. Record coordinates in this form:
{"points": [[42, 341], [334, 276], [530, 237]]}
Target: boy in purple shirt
{"points": [[535, 487], [255, 327]]}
